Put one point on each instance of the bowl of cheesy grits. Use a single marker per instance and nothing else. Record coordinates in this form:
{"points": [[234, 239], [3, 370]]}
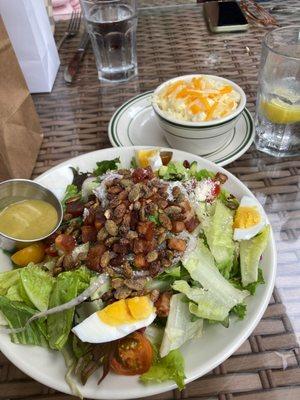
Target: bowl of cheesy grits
{"points": [[198, 112]]}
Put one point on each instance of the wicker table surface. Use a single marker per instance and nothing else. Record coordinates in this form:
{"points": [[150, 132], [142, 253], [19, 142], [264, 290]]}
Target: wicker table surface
{"points": [[174, 41]]}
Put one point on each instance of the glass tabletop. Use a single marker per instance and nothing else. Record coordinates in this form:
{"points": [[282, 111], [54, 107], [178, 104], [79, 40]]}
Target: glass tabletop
{"points": [[174, 40]]}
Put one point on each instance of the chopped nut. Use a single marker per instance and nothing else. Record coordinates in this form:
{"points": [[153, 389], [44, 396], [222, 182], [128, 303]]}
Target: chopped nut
{"points": [[122, 293], [134, 193], [127, 270], [105, 259], [102, 235], [111, 227], [173, 210], [136, 284], [152, 256], [120, 210], [137, 205], [154, 295], [165, 221], [117, 282]]}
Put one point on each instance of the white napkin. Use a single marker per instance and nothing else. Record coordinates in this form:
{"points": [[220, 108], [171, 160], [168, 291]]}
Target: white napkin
{"points": [[28, 27]]}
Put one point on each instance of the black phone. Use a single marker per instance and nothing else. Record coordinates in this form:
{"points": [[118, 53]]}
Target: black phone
{"points": [[225, 16]]}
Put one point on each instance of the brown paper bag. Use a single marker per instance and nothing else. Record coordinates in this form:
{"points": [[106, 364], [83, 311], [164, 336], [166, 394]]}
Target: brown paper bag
{"points": [[20, 130]]}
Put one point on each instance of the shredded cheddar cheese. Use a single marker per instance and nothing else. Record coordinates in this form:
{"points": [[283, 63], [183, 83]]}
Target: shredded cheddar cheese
{"points": [[199, 99]]}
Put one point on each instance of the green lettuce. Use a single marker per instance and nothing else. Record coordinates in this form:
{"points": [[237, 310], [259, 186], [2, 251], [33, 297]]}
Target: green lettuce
{"points": [[71, 191], [174, 171], [167, 368], [106, 165], [219, 235], [201, 266], [37, 285], [16, 315], [67, 286], [207, 304], [59, 325], [8, 279], [179, 328], [250, 253]]}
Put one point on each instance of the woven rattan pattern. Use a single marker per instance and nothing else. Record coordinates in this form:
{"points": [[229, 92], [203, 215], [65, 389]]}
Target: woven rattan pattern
{"points": [[172, 42]]}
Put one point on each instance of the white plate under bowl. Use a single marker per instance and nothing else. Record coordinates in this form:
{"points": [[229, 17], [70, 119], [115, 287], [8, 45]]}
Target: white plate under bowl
{"points": [[201, 355], [135, 124]]}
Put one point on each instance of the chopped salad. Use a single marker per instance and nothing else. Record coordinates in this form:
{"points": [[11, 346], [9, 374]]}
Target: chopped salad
{"points": [[146, 256]]}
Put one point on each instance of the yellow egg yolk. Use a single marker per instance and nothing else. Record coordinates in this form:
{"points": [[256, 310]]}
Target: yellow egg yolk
{"points": [[126, 311], [246, 217], [143, 157]]}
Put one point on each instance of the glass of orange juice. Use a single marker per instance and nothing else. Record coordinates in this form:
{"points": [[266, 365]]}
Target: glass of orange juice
{"points": [[277, 119]]}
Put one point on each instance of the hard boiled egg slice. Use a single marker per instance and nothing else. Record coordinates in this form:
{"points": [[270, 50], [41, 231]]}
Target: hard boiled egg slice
{"points": [[249, 219], [148, 158], [116, 320]]}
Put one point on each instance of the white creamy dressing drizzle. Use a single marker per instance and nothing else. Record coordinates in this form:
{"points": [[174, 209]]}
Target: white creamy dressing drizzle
{"points": [[85, 214]]}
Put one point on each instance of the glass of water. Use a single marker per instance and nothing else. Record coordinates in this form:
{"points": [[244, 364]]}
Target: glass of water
{"points": [[111, 25], [277, 120]]}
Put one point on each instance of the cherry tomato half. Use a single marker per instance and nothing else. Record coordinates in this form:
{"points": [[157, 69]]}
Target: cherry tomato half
{"points": [[34, 253], [133, 356]]}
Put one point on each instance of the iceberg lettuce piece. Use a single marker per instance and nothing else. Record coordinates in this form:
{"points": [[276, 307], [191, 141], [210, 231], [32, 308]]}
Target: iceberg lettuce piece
{"points": [[201, 266], [179, 328], [250, 253], [208, 306], [219, 235]]}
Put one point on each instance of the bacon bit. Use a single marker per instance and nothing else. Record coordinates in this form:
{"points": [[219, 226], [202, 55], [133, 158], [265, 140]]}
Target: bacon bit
{"points": [[88, 233], [191, 224], [100, 220], [163, 304], [219, 177], [177, 244], [65, 243], [177, 226], [142, 174], [140, 261], [94, 257], [75, 208]]}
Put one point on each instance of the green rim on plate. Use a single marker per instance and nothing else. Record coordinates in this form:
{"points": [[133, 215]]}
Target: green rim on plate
{"points": [[115, 140]]}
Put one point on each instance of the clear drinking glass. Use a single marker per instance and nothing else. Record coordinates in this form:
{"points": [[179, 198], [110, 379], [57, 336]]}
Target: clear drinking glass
{"points": [[111, 25], [277, 119]]}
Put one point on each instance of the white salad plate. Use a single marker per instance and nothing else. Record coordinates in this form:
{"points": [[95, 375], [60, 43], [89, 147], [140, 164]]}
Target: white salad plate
{"points": [[201, 355], [135, 124]]}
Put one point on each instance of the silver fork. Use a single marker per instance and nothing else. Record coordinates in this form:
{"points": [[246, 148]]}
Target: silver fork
{"points": [[72, 29]]}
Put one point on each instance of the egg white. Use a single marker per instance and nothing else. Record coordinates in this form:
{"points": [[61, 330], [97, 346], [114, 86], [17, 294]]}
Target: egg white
{"points": [[248, 233], [94, 330]]}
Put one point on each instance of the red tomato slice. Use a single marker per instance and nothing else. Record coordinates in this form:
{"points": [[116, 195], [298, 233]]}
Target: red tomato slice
{"points": [[133, 356]]}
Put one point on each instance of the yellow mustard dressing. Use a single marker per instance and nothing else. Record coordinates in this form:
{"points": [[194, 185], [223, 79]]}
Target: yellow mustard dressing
{"points": [[28, 219]]}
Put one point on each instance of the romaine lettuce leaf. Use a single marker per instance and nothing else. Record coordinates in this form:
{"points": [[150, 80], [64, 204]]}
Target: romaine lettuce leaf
{"points": [[219, 235], [16, 315], [37, 285], [14, 293], [59, 325], [71, 361], [67, 286], [8, 279], [179, 328], [250, 252], [167, 368], [201, 266], [208, 305]]}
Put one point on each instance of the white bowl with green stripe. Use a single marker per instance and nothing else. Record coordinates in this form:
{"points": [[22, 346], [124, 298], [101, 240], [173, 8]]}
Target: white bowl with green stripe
{"points": [[198, 137]]}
